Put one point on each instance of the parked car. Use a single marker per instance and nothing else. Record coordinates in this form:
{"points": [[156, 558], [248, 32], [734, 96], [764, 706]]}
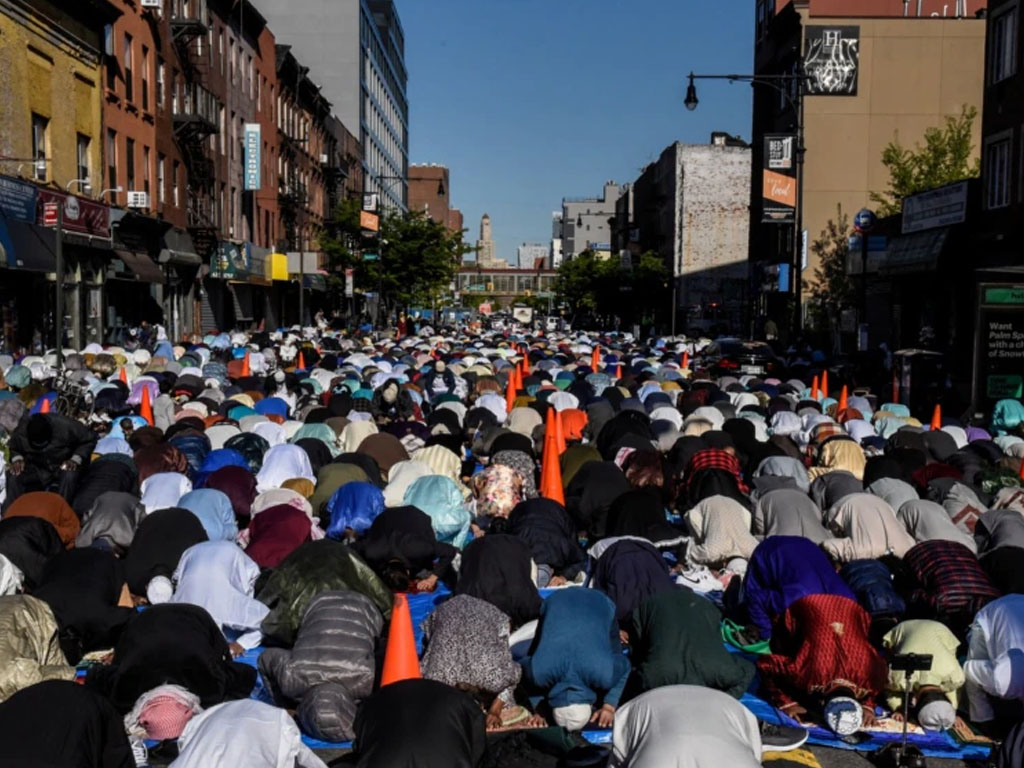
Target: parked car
{"points": [[739, 357]]}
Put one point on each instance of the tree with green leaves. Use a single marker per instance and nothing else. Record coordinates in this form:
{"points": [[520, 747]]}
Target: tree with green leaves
{"points": [[574, 284], [416, 257], [602, 287], [945, 157], [833, 291]]}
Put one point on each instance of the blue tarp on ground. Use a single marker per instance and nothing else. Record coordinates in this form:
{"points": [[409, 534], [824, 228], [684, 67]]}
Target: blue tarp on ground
{"points": [[931, 744]]}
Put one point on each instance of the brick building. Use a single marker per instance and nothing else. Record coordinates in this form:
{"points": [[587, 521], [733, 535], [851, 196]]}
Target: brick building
{"points": [[430, 191], [691, 207], [902, 67]]}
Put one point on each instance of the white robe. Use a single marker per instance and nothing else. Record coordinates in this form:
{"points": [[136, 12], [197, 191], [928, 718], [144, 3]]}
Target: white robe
{"points": [[244, 733], [995, 656]]}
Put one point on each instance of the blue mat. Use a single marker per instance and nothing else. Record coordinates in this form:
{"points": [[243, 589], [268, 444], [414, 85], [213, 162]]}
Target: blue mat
{"points": [[930, 743]]}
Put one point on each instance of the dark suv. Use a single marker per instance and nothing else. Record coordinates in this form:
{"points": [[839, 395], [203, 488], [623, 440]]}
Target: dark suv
{"points": [[739, 357]]}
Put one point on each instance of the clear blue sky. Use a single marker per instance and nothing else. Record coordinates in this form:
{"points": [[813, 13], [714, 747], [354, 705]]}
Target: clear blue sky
{"points": [[527, 101]]}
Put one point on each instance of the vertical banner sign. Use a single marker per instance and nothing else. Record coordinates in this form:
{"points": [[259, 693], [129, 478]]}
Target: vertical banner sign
{"points": [[252, 159], [778, 203], [349, 283]]}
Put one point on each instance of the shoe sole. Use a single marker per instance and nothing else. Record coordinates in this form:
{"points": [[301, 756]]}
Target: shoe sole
{"points": [[786, 747]]}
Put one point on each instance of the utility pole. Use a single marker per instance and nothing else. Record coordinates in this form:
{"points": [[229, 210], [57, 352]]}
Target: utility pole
{"points": [[59, 253]]}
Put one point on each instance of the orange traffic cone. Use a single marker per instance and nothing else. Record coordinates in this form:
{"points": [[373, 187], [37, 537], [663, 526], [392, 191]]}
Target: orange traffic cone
{"points": [[124, 375], [824, 383], [844, 400], [559, 432], [145, 407], [400, 659], [550, 469], [595, 359], [937, 418], [246, 370], [686, 360], [618, 372], [814, 388], [44, 406], [526, 363], [510, 392], [302, 361]]}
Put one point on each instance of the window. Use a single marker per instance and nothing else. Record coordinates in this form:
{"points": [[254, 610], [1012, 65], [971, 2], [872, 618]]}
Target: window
{"points": [[160, 191], [129, 90], [145, 78], [220, 49], [40, 126], [252, 78], [221, 134], [174, 92], [234, 134], [111, 158], [160, 85], [129, 161], [145, 170], [997, 170], [174, 184], [82, 153], [231, 51], [1003, 45]]}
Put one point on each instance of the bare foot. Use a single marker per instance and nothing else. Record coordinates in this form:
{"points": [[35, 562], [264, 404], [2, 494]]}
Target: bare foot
{"points": [[236, 650]]}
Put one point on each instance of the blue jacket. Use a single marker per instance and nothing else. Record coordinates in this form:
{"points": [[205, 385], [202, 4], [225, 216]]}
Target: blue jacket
{"points": [[781, 571], [871, 582], [576, 655]]}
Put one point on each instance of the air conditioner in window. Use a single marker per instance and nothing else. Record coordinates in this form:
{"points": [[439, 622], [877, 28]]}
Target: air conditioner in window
{"points": [[323, 159], [158, 4], [138, 199]]}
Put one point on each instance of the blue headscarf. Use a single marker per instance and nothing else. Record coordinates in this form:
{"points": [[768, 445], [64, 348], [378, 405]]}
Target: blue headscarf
{"points": [[355, 506], [218, 459], [214, 510], [441, 499]]}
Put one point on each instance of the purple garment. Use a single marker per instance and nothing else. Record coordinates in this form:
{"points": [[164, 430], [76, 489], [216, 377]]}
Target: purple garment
{"points": [[977, 433], [781, 571]]}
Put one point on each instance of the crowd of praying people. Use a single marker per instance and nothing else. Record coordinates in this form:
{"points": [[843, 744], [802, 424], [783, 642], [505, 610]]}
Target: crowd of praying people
{"points": [[200, 567]]}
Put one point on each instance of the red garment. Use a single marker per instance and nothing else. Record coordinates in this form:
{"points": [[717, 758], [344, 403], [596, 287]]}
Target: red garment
{"points": [[715, 458], [820, 644], [275, 533], [238, 484]]}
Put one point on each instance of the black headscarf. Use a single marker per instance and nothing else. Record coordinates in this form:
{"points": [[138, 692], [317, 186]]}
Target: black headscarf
{"points": [[548, 531], [714, 482], [590, 494], [640, 513], [401, 543], [104, 474], [29, 543], [317, 451], [496, 569], [82, 588], [58, 723], [629, 572], [421, 722], [172, 643], [879, 467], [252, 447], [158, 544], [626, 422]]}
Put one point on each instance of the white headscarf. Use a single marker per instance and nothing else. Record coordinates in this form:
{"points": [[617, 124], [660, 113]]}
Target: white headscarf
{"points": [[11, 577], [402, 475], [164, 490], [271, 432], [354, 433], [220, 577], [219, 434], [868, 527], [244, 733], [721, 530], [283, 462], [928, 521]]}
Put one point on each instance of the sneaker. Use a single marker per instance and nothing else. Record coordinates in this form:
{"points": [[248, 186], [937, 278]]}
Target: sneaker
{"points": [[781, 738], [139, 751], [699, 579]]}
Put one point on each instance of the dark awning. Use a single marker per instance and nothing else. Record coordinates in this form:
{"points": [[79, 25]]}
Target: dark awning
{"points": [[142, 267], [29, 247], [916, 252], [178, 249]]}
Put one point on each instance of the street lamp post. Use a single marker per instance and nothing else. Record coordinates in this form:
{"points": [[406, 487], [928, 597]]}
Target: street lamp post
{"points": [[794, 98]]}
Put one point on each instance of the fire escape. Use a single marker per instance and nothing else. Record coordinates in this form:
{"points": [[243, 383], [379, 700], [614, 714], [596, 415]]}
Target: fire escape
{"points": [[196, 109]]}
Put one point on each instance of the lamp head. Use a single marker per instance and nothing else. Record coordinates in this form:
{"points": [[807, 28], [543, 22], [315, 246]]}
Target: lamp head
{"points": [[691, 101]]}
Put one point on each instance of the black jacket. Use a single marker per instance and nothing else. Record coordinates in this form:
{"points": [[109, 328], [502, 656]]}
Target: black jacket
{"points": [[68, 438]]}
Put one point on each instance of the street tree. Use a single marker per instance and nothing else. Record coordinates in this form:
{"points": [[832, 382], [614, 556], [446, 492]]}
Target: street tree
{"points": [[945, 157], [832, 291], [414, 257]]}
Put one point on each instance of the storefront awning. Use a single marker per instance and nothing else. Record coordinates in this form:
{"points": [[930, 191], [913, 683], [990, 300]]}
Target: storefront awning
{"points": [[141, 266], [178, 250], [916, 252], [27, 246], [315, 282]]}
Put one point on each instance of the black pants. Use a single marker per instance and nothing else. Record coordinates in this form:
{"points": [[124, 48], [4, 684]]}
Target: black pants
{"points": [[64, 483]]}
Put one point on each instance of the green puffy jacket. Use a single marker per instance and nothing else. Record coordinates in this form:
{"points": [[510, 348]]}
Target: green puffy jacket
{"points": [[313, 568]]}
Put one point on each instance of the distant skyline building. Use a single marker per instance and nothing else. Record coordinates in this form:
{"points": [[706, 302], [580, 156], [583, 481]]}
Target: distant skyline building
{"points": [[529, 254], [356, 50], [485, 250]]}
